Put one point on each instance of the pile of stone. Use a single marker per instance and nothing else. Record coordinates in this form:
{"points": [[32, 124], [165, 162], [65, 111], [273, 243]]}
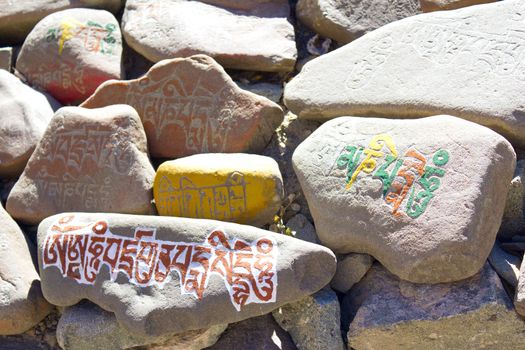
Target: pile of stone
{"points": [[185, 174]]}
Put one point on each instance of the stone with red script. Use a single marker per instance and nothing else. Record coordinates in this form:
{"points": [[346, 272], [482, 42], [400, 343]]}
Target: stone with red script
{"points": [[22, 305], [191, 105], [70, 53], [88, 160], [164, 275]]}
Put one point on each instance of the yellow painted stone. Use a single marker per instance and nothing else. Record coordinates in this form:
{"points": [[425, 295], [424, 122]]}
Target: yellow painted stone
{"points": [[242, 188]]}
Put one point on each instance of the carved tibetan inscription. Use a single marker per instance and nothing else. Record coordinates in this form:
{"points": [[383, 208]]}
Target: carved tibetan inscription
{"points": [[409, 179], [79, 250]]}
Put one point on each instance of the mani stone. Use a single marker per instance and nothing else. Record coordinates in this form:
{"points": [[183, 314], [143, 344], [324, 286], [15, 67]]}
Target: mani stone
{"points": [[22, 305], [87, 160], [250, 35], [350, 269], [388, 313], [19, 17], [191, 105], [346, 20], [425, 197], [24, 115], [467, 63], [242, 188], [167, 275], [86, 326], [6, 58], [439, 5], [70, 53]]}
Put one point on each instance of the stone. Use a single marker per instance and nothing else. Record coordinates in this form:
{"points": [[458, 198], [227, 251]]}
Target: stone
{"points": [[249, 35], [86, 326], [22, 304], [397, 71], [24, 115], [513, 221], [6, 58], [519, 296], [505, 264], [255, 333], [440, 5], [346, 20], [425, 197], [271, 91], [242, 188], [313, 322], [89, 160], [19, 17], [302, 228], [190, 105], [388, 313], [351, 268], [70, 53], [136, 271]]}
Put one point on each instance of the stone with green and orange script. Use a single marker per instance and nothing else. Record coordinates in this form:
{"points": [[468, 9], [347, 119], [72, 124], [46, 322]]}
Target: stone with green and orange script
{"points": [[242, 188]]}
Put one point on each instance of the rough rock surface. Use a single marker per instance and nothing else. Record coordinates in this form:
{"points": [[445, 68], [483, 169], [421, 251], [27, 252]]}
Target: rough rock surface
{"points": [[387, 313], [88, 160], [351, 269], [439, 5], [70, 53], [313, 322], [506, 265], [24, 115], [513, 221], [86, 326], [144, 288], [346, 20], [243, 188], [454, 62], [19, 17], [194, 101], [519, 297], [6, 58], [254, 35], [271, 91], [302, 228], [22, 305], [425, 197]]}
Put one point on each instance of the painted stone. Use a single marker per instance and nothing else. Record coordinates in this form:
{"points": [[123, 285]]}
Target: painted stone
{"points": [[6, 58], [439, 5], [88, 160], [163, 275], [251, 35], [17, 18], [398, 71], [425, 197], [70, 53], [86, 326], [24, 115], [383, 312], [242, 188], [22, 304], [191, 105], [346, 20], [350, 269]]}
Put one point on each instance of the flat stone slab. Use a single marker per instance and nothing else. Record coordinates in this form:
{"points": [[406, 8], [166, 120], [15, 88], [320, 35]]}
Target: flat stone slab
{"points": [[165, 275], [425, 197], [242, 188], [191, 105], [467, 63], [251, 35]]}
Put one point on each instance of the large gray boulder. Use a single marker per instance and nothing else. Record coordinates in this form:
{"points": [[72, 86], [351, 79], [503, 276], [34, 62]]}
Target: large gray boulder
{"points": [[165, 275], [425, 197]]}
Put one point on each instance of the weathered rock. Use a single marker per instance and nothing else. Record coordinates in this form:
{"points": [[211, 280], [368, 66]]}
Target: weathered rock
{"points": [[351, 269], [24, 115], [519, 297], [70, 53], [425, 197], [251, 35], [144, 288], [190, 105], [88, 160], [86, 326], [313, 322], [6, 58], [242, 188], [387, 313], [513, 221], [302, 228], [22, 305], [19, 17], [346, 20], [255, 333], [439, 5], [506, 265], [397, 71], [271, 91]]}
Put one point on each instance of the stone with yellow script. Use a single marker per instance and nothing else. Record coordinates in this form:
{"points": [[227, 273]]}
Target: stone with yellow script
{"points": [[238, 187]]}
